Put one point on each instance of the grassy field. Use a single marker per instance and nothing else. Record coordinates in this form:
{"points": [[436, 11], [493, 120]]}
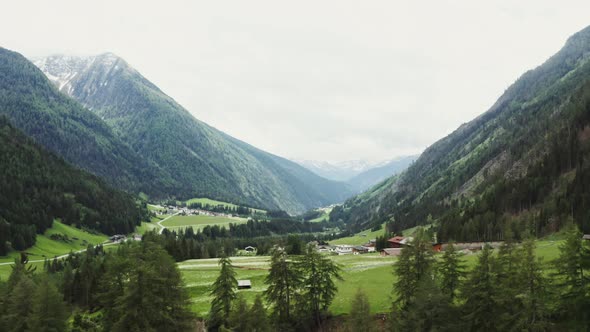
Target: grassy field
{"points": [[200, 221], [45, 247], [325, 215], [360, 237], [371, 272], [213, 202]]}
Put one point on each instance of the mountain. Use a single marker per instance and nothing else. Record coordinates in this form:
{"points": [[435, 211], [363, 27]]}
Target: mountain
{"points": [[36, 187], [342, 170], [64, 127], [372, 176], [202, 160], [522, 166]]}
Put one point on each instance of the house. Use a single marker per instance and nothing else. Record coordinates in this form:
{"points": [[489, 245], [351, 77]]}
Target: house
{"points": [[586, 237], [250, 249], [359, 250], [343, 249], [391, 252], [244, 284], [324, 248], [399, 241], [117, 238]]}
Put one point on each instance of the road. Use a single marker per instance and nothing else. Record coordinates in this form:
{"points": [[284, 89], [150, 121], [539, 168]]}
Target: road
{"points": [[104, 244], [162, 227]]}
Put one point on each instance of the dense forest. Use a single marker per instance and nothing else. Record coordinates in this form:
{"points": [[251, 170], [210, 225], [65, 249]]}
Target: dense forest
{"points": [[522, 165], [37, 187]]}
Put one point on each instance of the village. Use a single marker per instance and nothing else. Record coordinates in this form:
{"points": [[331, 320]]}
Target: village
{"points": [[185, 211]]}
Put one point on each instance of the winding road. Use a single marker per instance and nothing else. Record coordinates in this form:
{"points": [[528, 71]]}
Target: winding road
{"points": [[162, 227]]}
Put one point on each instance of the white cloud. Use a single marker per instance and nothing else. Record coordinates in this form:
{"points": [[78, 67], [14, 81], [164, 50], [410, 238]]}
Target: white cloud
{"points": [[323, 80]]}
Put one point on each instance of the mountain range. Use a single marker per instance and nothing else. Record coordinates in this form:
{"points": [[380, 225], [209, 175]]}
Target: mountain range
{"points": [[360, 175], [521, 167], [102, 115]]}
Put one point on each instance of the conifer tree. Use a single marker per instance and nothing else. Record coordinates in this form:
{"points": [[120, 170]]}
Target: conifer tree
{"points": [[283, 281], [223, 292], [451, 271], [259, 317], [19, 307], [360, 313], [480, 291], [239, 317], [49, 312]]}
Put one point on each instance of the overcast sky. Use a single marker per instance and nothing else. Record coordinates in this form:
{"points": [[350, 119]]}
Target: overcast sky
{"points": [[317, 80]]}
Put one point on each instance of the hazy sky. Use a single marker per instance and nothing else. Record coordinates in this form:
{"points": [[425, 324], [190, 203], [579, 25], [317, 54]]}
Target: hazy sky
{"points": [[320, 80]]}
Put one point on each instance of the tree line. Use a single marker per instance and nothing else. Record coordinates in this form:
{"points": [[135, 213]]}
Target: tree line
{"points": [[511, 290]]}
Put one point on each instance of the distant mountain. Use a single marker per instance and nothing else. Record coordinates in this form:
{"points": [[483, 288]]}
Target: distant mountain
{"points": [[36, 187], [372, 176], [64, 127], [202, 160], [522, 166], [340, 171]]}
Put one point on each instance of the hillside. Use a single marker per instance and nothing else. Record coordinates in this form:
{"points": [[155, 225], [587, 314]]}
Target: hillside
{"points": [[64, 127], [372, 176], [37, 187], [523, 165], [204, 161]]}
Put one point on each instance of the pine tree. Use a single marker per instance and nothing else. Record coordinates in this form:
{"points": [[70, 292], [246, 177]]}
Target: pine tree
{"points": [[223, 292], [259, 317], [19, 307], [239, 317], [360, 313], [414, 262], [573, 259], [49, 312], [283, 281], [479, 292], [318, 285], [451, 271]]}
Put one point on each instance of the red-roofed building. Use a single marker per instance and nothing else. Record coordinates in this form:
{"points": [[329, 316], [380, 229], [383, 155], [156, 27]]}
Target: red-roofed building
{"points": [[396, 242]]}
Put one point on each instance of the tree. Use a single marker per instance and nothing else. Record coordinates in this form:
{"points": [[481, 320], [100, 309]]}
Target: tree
{"points": [[283, 281], [17, 317], [479, 292], [239, 317], [142, 290], [360, 313], [49, 312], [451, 271], [533, 291], [414, 262], [318, 286], [259, 317], [223, 292], [573, 259]]}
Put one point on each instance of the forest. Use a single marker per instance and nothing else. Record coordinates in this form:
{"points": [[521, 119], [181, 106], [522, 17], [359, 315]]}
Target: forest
{"points": [[37, 187]]}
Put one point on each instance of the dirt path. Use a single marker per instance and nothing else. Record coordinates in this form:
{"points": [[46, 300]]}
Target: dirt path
{"points": [[162, 227]]}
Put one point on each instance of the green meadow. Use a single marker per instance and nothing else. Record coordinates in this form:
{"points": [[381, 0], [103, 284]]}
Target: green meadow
{"points": [[200, 221], [371, 272], [213, 202]]}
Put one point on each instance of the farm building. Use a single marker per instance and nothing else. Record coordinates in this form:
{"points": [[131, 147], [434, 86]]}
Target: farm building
{"points": [[250, 249], [360, 250], [343, 249], [473, 246], [586, 237], [399, 241], [244, 284], [391, 252]]}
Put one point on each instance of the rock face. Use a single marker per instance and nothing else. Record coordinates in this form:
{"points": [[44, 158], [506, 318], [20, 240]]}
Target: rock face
{"points": [[203, 161]]}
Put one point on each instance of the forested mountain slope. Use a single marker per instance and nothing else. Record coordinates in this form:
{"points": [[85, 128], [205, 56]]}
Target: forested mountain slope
{"points": [[203, 160], [524, 164], [36, 187], [64, 127]]}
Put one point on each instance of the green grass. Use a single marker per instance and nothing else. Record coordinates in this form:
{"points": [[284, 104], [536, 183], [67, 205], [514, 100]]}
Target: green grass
{"points": [[360, 237], [213, 202], [200, 221], [370, 272], [325, 215], [45, 247]]}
